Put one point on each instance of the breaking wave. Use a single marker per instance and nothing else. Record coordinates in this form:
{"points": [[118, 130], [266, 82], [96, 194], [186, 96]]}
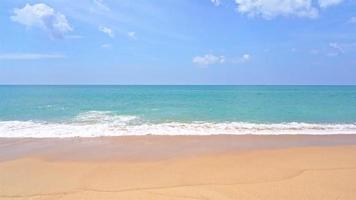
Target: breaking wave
{"points": [[98, 124]]}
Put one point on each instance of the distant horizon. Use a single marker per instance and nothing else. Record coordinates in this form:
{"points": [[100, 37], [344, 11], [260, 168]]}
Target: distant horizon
{"points": [[177, 85]]}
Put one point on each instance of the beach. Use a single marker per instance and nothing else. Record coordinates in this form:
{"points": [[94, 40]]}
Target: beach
{"points": [[179, 167], [178, 100], [178, 142]]}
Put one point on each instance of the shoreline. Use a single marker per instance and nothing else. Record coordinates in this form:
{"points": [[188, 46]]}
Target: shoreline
{"points": [[108, 124], [157, 147]]}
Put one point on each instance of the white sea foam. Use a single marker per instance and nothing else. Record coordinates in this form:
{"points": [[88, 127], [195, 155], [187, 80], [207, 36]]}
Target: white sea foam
{"points": [[98, 124], [104, 117]]}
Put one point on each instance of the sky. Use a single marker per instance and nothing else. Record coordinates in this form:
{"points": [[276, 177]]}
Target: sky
{"points": [[226, 42]]}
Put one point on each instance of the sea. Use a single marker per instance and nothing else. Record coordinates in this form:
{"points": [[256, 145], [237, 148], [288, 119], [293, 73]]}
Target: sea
{"points": [[97, 111]]}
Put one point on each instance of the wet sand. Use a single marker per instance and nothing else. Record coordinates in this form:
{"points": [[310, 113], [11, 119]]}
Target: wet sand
{"points": [[179, 167]]}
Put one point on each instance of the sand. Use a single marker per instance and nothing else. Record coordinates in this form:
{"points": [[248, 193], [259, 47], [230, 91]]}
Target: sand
{"points": [[220, 167]]}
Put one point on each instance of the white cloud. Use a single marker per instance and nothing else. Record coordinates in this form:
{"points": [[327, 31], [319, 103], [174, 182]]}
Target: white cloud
{"points": [[106, 46], [29, 56], [44, 17], [337, 48], [246, 57], [242, 59], [271, 8], [101, 5], [208, 59], [107, 31], [216, 2], [327, 3], [132, 35]]}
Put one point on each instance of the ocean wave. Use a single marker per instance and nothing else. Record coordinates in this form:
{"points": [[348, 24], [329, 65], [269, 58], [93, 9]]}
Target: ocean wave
{"points": [[104, 117], [106, 127], [106, 123]]}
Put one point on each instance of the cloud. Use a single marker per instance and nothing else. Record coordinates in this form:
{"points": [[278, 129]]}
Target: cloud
{"points": [[245, 57], [216, 2], [132, 35], [208, 59], [29, 56], [337, 48], [271, 8], [327, 3], [107, 31], [106, 46], [101, 5], [44, 17], [242, 59]]}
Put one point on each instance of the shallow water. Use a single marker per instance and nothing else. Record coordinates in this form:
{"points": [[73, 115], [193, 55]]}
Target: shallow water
{"points": [[69, 111]]}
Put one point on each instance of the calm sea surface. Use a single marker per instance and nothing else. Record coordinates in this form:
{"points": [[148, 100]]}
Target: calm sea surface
{"points": [[87, 111]]}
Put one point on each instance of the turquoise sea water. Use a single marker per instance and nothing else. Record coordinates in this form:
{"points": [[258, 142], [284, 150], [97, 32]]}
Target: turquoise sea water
{"points": [[51, 111]]}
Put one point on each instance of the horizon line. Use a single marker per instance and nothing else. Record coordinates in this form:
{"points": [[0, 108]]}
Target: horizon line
{"points": [[177, 84]]}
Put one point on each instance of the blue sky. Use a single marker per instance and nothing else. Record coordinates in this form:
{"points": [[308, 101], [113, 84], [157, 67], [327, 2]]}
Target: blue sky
{"points": [[178, 42]]}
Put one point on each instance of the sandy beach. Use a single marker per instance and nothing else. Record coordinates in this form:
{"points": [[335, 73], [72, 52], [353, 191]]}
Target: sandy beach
{"points": [[178, 100], [177, 167]]}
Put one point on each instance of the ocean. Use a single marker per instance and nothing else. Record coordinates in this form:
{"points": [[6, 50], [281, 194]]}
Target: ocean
{"points": [[94, 111]]}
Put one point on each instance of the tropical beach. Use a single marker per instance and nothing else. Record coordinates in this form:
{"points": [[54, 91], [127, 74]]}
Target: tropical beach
{"points": [[178, 99], [177, 142]]}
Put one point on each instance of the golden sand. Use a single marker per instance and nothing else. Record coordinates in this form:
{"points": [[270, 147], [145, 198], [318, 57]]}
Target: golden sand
{"points": [[268, 174]]}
